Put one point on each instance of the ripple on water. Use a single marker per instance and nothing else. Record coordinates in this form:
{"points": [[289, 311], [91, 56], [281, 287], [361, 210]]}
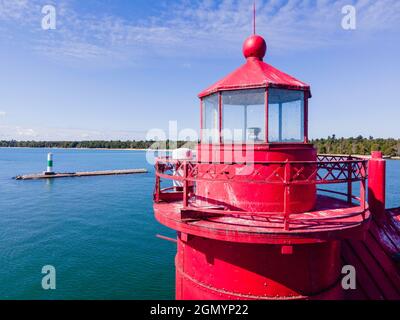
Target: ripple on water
{"points": [[98, 232]]}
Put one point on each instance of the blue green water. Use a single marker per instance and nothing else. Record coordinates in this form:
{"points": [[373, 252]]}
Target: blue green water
{"points": [[98, 232]]}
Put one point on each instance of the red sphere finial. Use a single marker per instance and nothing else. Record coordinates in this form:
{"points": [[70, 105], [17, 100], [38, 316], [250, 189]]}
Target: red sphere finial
{"points": [[255, 46]]}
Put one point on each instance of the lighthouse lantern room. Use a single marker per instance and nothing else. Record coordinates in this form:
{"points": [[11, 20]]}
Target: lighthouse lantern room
{"points": [[257, 103]]}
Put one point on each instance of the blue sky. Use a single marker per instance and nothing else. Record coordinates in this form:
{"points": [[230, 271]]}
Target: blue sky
{"points": [[114, 69]]}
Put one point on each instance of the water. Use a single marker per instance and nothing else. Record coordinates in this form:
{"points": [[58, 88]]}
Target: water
{"points": [[98, 232]]}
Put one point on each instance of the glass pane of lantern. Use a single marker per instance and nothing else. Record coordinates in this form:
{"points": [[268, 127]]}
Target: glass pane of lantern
{"points": [[243, 116], [285, 115], [273, 122], [210, 128]]}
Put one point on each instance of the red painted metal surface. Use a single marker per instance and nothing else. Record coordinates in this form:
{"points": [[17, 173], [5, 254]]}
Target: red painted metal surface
{"points": [[266, 198], [376, 184], [263, 175], [332, 219], [376, 259], [223, 247], [225, 270], [254, 47], [258, 229]]}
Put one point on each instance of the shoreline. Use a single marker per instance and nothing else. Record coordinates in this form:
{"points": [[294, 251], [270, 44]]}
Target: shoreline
{"points": [[110, 149], [167, 150]]}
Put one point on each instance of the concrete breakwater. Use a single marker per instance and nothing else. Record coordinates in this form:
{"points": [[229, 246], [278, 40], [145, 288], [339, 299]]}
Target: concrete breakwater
{"points": [[36, 176]]}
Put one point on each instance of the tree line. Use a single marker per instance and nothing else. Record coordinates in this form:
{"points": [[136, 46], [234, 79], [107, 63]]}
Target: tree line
{"points": [[331, 145], [96, 144], [358, 145]]}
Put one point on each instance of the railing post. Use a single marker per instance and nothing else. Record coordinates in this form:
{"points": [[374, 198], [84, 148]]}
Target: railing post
{"points": [[157, 187], [286, 196], [185, 185], [377, 184], [363, 191], [349, 182]]}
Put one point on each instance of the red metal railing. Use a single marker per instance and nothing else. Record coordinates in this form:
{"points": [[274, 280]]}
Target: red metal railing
{"points": [[326, 170]]}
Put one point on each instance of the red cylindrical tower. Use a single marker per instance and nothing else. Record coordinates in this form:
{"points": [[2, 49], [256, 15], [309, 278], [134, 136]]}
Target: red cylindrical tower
{"points": [[250, 222]]}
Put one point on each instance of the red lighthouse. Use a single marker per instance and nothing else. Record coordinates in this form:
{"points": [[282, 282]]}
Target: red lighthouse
{"points": [[253, 218]]}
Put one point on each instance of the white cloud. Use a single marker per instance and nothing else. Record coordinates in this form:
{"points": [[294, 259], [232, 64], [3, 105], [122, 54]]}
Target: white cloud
{"points": [[56, 134], [3, 113], [11, 10], [25, 132], [189, 29]]}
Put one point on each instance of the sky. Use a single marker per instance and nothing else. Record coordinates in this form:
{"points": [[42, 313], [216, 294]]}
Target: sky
{"points": [[114, 69]]}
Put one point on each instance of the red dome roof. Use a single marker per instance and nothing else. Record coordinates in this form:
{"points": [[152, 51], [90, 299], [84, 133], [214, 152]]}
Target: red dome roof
{"points": [[255, 73]]}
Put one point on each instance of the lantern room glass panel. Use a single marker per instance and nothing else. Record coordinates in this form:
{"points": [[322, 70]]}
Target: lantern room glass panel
{"points": [[285, 115], [210, 130], [243, 114]]}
